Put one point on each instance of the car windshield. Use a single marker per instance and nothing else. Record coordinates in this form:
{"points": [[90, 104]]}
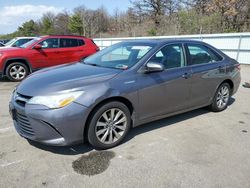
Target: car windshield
{"points": [[30, 42], [11, 42], [120, 56]]}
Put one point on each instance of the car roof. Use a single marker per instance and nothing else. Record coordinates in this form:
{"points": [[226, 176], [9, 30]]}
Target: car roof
{"points": [[25, 37], [162, 41], [64, 36]]}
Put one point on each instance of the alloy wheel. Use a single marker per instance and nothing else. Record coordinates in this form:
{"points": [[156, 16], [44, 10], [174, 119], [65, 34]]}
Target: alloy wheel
{"points": [[222, 97], [111, 126], [17, 72]]}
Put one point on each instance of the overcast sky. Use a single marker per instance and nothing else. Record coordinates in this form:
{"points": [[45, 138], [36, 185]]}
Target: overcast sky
{"points": [[14, 12]]}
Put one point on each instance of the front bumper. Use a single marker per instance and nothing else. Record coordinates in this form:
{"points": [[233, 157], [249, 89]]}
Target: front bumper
{"points": [[58, 127]]}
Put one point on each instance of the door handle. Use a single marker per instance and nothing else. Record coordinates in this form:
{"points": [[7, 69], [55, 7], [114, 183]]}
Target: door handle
{"points": [[186, 75]]}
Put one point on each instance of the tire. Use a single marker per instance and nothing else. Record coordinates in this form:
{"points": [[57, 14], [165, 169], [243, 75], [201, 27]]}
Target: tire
{"points": [[221, 98], [103, 132], [17, 71]]}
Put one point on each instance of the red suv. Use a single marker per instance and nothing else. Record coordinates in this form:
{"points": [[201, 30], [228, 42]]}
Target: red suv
{"points": [[41, 52]]}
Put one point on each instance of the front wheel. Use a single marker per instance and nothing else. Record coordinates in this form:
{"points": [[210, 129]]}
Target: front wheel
{"points": [[221, 98], [16, 71], [109, 124]]}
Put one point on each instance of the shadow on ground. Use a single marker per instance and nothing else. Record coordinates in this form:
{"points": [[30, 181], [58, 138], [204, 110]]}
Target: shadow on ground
{"points": [[4, 79], [84, 148], [169, 121]]}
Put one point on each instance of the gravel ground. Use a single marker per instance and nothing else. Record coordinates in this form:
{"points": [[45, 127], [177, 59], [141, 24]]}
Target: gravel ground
{"points": [[195, 149]]}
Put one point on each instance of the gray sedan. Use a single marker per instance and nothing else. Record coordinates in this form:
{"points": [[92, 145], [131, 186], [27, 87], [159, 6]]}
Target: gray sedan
{"points": [[123, 86]]}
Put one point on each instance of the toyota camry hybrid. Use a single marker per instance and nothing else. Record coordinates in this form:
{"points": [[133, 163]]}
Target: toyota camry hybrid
{"points": [[125, 85]]}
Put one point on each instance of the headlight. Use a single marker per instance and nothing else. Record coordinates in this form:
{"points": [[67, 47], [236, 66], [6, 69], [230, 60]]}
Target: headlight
{"points": [[56, 101]]}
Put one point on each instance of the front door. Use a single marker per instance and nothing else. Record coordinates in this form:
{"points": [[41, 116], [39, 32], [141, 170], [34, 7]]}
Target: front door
{"points": [[48, 55], [167, 91]]}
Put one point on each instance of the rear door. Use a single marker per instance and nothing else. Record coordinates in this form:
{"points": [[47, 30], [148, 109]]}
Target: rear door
{"points": [[208, 70], [71, 50], [168, 91]]}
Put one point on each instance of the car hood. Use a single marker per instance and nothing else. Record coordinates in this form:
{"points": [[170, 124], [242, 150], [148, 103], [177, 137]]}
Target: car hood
{"points": [[64, 77], [4, 47]]}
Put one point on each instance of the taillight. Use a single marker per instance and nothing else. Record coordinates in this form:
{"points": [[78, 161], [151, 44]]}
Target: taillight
{"points": [[97, 48]]}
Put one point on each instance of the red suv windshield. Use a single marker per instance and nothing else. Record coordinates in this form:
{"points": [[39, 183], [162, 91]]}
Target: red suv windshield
{"points": [[30, 42]]}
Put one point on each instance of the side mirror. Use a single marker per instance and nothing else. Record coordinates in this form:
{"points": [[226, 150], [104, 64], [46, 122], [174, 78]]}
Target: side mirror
{"points": [[37, 47], [154, 67]]}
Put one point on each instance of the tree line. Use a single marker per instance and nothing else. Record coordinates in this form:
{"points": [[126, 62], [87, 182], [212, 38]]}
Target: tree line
{"points": [[145, 18]]}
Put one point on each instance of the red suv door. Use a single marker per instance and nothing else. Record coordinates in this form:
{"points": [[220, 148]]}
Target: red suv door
{"points": [[48, 55], [72, 49]]}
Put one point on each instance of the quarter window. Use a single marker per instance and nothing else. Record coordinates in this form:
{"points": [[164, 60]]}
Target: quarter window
{"points": [[50, 43], [171, 56], [200, 54], [81, 42]]}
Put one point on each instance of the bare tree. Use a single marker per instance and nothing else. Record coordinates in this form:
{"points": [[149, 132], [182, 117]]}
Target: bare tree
{"points": [[229, 11], [47, 21], [146, 17], [153, 8], [62, 23]]}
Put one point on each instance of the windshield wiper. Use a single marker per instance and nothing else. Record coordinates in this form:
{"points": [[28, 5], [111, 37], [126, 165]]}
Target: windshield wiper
{"points": [[92, 64]]}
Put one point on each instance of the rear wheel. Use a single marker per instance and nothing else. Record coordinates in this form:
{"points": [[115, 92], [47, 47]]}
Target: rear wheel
{"points": [[221, 98], [16, 71], [109, 124]]}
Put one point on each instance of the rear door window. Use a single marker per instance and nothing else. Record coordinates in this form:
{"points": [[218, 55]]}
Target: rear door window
{"points": [[200, 54], [68, 43]]}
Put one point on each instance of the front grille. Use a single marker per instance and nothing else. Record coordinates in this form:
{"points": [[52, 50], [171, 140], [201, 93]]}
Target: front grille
{"points": [[24, 124]]}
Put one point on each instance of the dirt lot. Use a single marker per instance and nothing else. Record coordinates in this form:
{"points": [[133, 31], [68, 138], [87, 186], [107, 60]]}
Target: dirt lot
{"points": [[195, 149]]}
